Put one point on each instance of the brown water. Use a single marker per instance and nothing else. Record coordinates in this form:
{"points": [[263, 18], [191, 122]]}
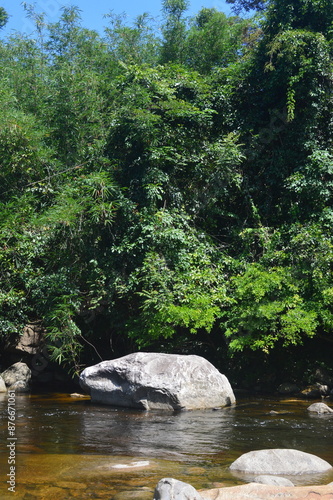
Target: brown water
{"points": [[70, 448]]}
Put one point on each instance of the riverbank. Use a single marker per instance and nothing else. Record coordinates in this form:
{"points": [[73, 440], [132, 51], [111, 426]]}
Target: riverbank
{"points": [[263, 492]]}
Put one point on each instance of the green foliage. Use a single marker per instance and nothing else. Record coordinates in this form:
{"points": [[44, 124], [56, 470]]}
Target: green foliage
{"points": [[174, 31], [179, 282], [135, 44], [304, 59], [311, 186], [247, 5], [163, 130], [74, 114], [267, 308], [47, 260], [22, 151], [215, 40], [3, 17], [169, 191], [309, 15]]}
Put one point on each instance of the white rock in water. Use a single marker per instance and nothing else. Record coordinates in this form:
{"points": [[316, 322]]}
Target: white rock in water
{"points": [[158, 381], [279, 461], [172, 489], [320, 408]]}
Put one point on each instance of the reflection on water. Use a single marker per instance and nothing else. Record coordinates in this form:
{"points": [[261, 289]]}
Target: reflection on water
{"points": [[66, 448]]}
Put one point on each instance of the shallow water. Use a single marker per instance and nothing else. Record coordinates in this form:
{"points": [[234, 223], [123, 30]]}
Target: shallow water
{"points": [[71, 448]]}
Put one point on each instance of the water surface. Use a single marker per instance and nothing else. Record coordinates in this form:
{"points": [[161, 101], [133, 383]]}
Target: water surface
{"points": [[71, 448]]}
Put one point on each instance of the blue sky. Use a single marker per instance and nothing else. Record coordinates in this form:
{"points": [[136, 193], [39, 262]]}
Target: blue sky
{"points": [[93, 11]]}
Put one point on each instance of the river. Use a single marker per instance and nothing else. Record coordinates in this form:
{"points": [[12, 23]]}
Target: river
{"points": [[67, 447]]}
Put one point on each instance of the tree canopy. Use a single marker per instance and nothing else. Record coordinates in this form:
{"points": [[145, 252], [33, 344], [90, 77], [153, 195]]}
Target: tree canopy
{"points": [[169, 189]]}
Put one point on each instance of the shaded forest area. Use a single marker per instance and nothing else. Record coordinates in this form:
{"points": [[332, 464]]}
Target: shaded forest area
{"points": [[170, 187]]}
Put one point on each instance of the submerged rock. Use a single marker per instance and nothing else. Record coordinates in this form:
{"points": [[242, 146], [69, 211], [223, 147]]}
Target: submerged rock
{"points": [[273, 412], [132, 465], [273, 480], [171, 489], [158, 381], [279, 461]]}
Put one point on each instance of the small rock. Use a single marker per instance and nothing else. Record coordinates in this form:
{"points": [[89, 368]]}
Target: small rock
{"points": [[320, 408], [171, 489], [273, 412], [143, 493]]}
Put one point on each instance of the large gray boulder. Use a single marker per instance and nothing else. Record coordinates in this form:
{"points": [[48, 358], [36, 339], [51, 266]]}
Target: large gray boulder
{"points": [[172, 489], [17, 377], [279, 461], [158, 381]]}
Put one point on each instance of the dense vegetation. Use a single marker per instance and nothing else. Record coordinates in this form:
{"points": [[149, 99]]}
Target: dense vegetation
{"points": [[171, 187]]}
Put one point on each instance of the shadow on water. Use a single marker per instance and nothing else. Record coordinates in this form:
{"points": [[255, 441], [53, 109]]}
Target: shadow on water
{"points": [[70, 448]]}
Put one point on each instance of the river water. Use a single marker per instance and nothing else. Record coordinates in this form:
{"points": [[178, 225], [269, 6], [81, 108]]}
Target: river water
{"points": [[68, 447]]}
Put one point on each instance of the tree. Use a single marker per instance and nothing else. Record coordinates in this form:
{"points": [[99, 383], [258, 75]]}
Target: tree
{"points": [[3, 17], [169, 193], [174, 31], [25, 159], [175, 173], [135, 44], [267, 309], [162, 135], [248, 5], [180, 281], [283, 102], [214, 40], [73, 106], [311, 188], [308, 15]]}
